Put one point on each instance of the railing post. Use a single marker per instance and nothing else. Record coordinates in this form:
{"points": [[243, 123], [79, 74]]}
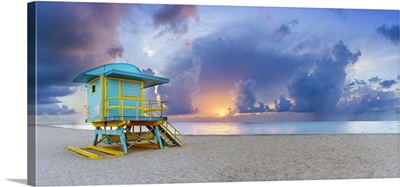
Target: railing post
{"points": [[122, 109], [161, 108], [107, 108], [150, 114], [137, 111]]}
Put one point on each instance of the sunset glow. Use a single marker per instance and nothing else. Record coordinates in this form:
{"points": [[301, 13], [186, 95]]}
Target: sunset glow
{"points": [[214, 103]]}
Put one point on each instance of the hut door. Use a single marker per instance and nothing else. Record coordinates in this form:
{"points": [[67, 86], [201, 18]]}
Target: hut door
{"points": [[112, 98], [131, 98]]}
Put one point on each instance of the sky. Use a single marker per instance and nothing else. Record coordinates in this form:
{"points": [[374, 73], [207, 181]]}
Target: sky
{"points": [[225, 63]]}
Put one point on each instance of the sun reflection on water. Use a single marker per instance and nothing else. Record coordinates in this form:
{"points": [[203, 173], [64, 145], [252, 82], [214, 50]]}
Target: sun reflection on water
{"points": [[215, 128]]}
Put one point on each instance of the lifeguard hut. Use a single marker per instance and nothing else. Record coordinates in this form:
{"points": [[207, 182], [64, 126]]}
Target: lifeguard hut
{"points": [[117, 109]]}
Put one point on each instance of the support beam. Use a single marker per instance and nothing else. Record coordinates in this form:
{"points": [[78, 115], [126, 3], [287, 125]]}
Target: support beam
{"points": [[158, 138], [123, 141], [118, 132]]}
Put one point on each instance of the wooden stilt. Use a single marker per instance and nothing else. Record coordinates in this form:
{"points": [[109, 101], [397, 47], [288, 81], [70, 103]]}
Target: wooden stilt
{"points": [[158, 138]]}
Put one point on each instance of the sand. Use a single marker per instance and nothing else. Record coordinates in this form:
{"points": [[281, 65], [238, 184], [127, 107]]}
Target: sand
{"points": [[220, 159]]}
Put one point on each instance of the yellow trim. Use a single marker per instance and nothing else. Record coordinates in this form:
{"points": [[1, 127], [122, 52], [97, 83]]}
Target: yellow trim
{"points": [[90, 82], [142, 98], [111, 123], [127, 107], [124, 97], [105, 97], [172, 134], [120, 97], [93, 156], [102, 100], [156, 109]]}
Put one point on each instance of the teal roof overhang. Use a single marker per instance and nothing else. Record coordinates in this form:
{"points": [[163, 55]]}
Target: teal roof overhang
{"points": [[120, 70]]}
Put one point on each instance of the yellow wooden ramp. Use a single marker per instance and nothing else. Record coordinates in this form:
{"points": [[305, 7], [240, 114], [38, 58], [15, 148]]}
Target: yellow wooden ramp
{"points": [[93, 156]]}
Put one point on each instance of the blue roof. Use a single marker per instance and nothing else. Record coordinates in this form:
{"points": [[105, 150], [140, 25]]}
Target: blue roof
{"points": [[120, 70]]}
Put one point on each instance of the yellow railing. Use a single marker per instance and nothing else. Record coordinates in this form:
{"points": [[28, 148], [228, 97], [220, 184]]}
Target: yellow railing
{"points": [[147, 108], [120, 106], [143, 108], [154, 108], [168, 125]]}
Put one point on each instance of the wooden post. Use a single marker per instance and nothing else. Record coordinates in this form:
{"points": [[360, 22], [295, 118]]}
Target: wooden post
{"points": [[158, 138], [123, 140]]}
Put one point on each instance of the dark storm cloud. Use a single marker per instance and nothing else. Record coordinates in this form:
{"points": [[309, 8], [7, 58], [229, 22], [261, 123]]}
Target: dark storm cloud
{"points": [[50, 94], [390, 33], [245, 97], [320, 90], [115, 52], [323, 91], [363, 98], [374, 79], [357, 82], [80, 28], [234, 54], [54, 109], [72, 38], [180, 91], [174, 18], [148, 71], [246, 57], [282, 105], [245, 100], [387, 83], [236, 58], [244, 53]]}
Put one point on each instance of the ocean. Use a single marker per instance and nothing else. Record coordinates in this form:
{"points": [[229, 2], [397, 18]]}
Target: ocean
{"points": [[248, 128]]}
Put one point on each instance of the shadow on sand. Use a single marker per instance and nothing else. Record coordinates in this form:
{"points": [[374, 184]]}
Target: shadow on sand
{"points": [[21, 181]]}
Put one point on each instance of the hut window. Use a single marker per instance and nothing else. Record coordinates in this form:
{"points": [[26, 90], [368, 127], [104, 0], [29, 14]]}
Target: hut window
{"points": [[93, 88]]}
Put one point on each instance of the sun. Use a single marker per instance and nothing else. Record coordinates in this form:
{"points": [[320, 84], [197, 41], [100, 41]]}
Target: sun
{"points": [[214, 101], [221, 113]]}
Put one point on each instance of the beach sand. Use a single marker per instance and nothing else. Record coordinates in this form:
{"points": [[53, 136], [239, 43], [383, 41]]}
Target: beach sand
{"points": [[219, 159]]}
